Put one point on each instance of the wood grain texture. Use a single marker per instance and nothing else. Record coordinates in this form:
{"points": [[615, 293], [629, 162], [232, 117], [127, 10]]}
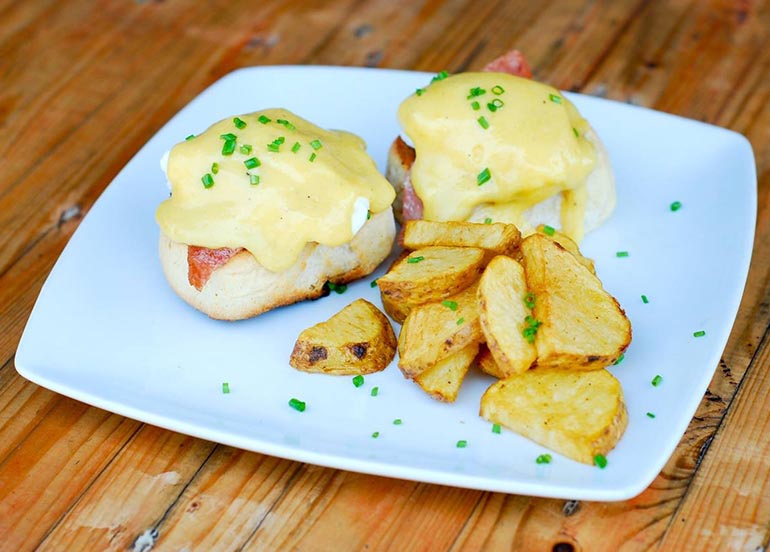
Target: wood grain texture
{"points": [[85, 84]]}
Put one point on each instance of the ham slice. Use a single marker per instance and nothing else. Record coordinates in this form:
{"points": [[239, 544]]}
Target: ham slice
{"points": [[202, 262], [513, 63]]}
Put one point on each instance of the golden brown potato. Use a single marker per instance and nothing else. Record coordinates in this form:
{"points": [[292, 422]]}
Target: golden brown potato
{"points": [[357, 340], [435, 331], [442, 381], [577, 414], [427, 275], [581, 326], [503, 312], [569, 244], [487, 364], [498, 237]]}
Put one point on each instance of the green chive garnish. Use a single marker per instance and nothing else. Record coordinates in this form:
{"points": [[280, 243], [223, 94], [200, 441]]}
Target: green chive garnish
{"points": [[375, 434], [530, 330], [475, 106], [368, 215], [440, 76], [228, 147], [295, 147], [645, 300], [497, 90], [245, 149], [656, 381], [252, 162], [208, 180], [374, 283], [621, 254], [229, 137], [495, 104], [358, 381], [620, 359], [339, 288], [487, 220], [239, 123], [462, 443], [297, 405], [483, 122], [699, 333], [190, 137], [496, 428], [483, 177], [225, 387], [529, 300], [650, 415], [543, 459], [575, 132], [214, 168], [397, 421], [254, 179], [549, 230], [316, 144], [600, 461], [451, 305], [460, 321], [475, 92], [273, 147], [676, 205], [554, 98], [263, 119], [312, 157], [285, 123], [417, 259], [419, 91], [375, 391]]}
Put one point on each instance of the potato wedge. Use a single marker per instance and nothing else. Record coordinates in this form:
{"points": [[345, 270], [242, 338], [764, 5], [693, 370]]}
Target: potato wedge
{"points": [[569, 244], [435, 331], [442, 381], [498, 237], [486, 363], [427, 275], [502, 314], [581, 325], [357, 340], [577, 414]]}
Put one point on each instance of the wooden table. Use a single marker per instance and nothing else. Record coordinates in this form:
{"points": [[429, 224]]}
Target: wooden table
{"points": [[80, 95]]}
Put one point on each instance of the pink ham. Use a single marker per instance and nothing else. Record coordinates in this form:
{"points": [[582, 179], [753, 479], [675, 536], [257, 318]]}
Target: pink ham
{"points": [[202, 262]]}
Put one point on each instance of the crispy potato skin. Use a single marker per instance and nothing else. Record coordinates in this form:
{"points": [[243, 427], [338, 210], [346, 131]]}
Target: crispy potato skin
{"points": [[357, 340], [442, 381], [499, 238], [575, 413], [569, 244]]}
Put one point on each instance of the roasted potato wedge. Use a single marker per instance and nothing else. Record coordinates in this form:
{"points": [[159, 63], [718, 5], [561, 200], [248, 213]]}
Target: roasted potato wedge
{"points": [[428, 275], [487, 364], [498, 237], [357, 340], [435, 331], [581, 326], [577, 414], [442, 381], [503, 312], [569, 244]]}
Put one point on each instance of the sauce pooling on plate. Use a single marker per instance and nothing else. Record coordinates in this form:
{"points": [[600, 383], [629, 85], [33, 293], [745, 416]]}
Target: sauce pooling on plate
{"points": [[270, 182], [493, 145]]}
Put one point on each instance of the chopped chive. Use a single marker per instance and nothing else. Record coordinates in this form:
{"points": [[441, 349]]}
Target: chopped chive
{"points": [[208, 180], [273, 147], [529, 300], [483, 177], [549, 230], [495, 104], [368, 215], [280, 140], [645, 300], [190, 137], [462, 443], [675, 206], [229, 137], [254, 179], [397, 421], [554, 98], [375, 391], [297, 405], [263, 119], [497, 90], [295, 147], [487, 220], [375, 434], [419, 91], [496, 428], [286, 124], [650, 415], [600, 461], [621, 254], [483, 122], [575, 132], [312, 157], [245, 149], [239, 123], [228, 147], [252, 163], [417, 259], [699, 333], [214, 168], [460, 321], [339, 288], [225, 387], [451, 305], [530, 331], [475, 92], [620, 359], [475, 106], [316, 144], [358, 381], [656, 381], [543, 459], [440, 76], [374, 283]]}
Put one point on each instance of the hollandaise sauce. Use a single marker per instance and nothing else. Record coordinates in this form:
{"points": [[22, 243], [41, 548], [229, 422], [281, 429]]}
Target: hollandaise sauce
{"points": [[492, 145], [270, 182]]}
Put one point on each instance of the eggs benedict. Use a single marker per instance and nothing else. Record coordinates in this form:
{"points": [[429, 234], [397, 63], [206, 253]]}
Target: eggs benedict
{"points": [[498, 146], [265, 208]]}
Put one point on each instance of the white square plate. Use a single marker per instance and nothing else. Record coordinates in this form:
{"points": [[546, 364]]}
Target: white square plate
{"points": [[107, 329]]}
